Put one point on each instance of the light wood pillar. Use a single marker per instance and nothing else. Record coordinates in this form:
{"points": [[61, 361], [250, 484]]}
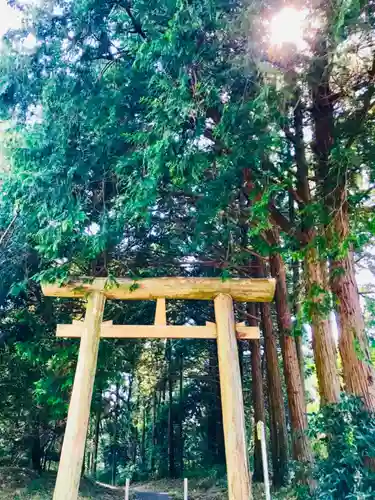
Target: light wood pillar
{"points": [[239, 481], [161, 312], [68, 477]]}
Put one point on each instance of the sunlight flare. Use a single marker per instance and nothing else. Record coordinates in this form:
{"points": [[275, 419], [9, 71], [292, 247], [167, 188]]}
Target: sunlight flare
{"points": [[287, 27]]}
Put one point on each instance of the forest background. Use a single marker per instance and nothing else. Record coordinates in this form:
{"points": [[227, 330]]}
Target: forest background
{"points": [[192, 138]]}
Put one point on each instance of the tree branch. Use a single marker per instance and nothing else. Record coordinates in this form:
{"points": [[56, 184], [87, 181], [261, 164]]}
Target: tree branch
{"points": [[284, 224], [6, 232], [289, 135], [135, 22], [360, 115]]}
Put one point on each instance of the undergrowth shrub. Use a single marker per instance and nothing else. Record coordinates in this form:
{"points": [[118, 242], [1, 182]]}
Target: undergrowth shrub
{"points": [[343, 437]]}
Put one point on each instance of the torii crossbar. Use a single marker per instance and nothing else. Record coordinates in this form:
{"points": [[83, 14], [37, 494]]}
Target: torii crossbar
{"points": [[224, 330]]}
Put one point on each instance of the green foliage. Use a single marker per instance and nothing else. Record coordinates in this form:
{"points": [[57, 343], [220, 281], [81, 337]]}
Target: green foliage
{"points": [[318, 302], [344, 437]]}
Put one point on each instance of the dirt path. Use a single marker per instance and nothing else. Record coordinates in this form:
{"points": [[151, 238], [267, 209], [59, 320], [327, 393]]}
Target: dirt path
{"points": [[117, 491], [151, 496]]}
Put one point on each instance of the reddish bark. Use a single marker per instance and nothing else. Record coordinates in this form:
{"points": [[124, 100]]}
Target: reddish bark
{"points": [[358, 371], [279, 439], [300, 443], [276, 409], [323, 343]]}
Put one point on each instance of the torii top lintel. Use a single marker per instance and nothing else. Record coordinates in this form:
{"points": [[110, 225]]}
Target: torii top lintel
{"points": [[241, 290]]}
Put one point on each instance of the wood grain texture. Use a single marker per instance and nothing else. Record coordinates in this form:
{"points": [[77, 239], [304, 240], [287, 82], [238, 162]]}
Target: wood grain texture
{"points": [[161, 312], [69, 473], [243, 332], [159, 331], [242, 290], [239, 480]]}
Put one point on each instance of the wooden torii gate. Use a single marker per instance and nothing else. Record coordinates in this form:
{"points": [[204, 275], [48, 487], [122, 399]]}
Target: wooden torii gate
{"points": [[224, 330]]}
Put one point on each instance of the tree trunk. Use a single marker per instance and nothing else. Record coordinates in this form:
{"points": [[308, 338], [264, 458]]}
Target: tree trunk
{"points": [[298, 123], [279, 437], [240, 358], [212, 405], [181, 411], [300, 443], [215, 434], [258, 402], [358, 371], [96, 442], [83, 468], [143, 439], [323, 343], [171, 455], [36, 450], [114, 444], [45, 461], [154, 440], [257, 393], [89, 458], [130, 390], [322, 334], [164, 390], [114, 465], [135, 447], [299, 346]]}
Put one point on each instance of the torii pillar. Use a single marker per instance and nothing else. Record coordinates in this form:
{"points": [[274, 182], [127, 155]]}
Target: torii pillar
{"points": [[224, 330]]}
